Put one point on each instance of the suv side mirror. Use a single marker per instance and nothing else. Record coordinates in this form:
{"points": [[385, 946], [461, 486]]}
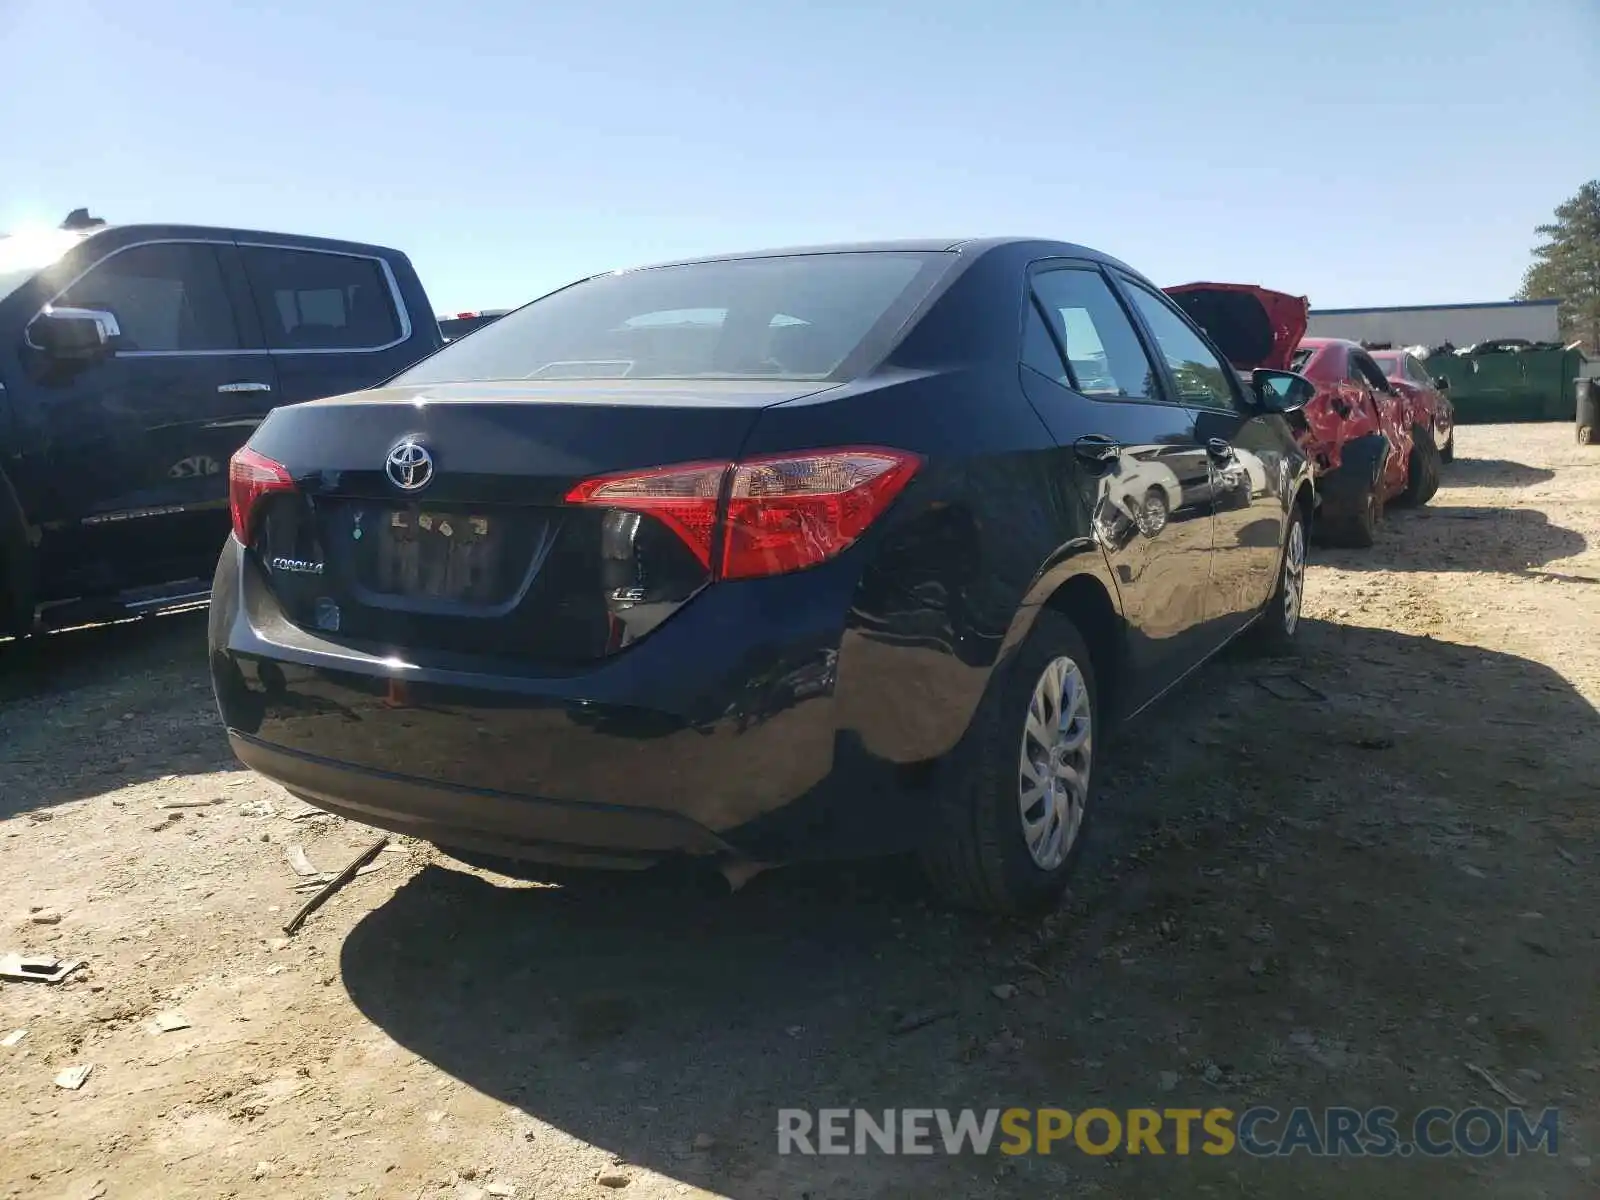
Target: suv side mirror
{"points": [[73, 333], [1281, 391], [1442, 382]]}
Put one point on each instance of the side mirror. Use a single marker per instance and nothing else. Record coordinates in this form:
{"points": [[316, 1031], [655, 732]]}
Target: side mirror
{"points": [[1281, 391], [73, 333], [1442, 382]]}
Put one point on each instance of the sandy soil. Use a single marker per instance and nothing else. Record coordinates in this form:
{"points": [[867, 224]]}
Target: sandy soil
{"points": [[1340, 895]]}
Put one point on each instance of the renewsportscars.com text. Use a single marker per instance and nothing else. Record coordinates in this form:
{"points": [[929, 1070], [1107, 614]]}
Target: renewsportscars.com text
{"points": [[1260, 1131]]}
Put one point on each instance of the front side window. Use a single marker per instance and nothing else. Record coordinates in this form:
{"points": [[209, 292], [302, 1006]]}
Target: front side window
{"points": [[795, 316], [1104, 356], [167, 296], [1203, 378], [314, 301]]}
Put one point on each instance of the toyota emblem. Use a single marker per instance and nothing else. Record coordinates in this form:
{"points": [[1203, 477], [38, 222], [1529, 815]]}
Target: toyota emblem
{"points": [[409, 466]]}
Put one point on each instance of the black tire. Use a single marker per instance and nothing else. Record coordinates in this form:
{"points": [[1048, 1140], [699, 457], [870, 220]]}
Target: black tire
{"points": [[977, 855], [1275, 629], [1356, 532], [1422, 469]]}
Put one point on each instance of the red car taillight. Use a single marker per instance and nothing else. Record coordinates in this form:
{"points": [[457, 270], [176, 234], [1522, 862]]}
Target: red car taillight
{"points": [[252, 476], [774, 514]]}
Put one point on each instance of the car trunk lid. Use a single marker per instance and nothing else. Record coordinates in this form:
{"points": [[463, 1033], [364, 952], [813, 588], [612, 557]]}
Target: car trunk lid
{"points": [[1252, 325], [481, 555]]}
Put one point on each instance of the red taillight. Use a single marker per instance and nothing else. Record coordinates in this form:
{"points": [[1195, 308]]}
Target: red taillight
{"points": [[250, 477], [775, 514], [684, 498]]}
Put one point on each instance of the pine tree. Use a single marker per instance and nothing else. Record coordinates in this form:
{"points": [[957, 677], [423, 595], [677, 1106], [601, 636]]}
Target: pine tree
{"points": [[1567, 267]]}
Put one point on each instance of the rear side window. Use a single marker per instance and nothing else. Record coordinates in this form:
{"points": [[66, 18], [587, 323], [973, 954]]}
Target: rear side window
{"points": [[800, 316], [1104, 356], [1364, 370], [1302, 358], [167, 296], [309, 300]]}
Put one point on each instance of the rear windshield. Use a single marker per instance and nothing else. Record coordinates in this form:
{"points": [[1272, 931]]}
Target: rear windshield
{"points": [[799, 316], [451, 328]]}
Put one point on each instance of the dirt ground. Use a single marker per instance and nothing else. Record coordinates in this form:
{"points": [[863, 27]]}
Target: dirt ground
{"points": [[1334, 895]]}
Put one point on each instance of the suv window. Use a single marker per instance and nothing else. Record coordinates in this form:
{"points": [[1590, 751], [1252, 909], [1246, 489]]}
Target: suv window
{"points": [[309, 300], [165, 295], [1203, 378], [1104, 357]]}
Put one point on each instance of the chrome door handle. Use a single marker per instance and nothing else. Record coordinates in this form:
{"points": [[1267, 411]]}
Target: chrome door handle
{"points": [[234, 388], [1219, 449]]}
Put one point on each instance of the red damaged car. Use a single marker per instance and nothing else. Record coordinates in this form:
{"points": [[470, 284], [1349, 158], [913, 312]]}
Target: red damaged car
{"points": [[1427, 399], [1358, 429]]}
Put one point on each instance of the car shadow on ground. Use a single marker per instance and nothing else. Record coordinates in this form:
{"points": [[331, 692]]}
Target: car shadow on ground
{"points": [[1512, 541], [1493, 472], [1261, 865], [88, 710]]}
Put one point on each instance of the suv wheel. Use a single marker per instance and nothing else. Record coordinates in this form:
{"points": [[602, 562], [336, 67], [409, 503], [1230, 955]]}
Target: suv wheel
{"points": [[1275, 629], [1010, 821]]}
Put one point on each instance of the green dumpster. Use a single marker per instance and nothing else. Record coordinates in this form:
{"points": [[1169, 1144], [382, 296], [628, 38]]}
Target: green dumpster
{"points": [[1499, 381]]}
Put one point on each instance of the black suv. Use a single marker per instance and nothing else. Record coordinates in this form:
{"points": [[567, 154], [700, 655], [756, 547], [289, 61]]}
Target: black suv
{"points": [[134, 360]]}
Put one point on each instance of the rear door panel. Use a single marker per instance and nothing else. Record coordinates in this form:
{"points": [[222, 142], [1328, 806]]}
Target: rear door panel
{"points": [[1135, 460]]}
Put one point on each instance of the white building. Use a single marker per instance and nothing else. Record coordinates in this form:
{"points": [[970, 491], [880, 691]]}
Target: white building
{"points": [[1435, 324]]}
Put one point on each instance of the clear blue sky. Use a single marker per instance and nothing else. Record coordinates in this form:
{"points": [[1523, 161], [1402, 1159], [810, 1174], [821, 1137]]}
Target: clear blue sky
{"points": [[1358, 151]]}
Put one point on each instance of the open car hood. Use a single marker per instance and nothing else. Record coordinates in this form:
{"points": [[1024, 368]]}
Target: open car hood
{"points": [[1253, 326]]}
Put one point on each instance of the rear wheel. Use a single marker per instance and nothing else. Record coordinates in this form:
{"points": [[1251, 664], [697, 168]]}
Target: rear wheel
{"points": [[1010, 819], [1357, 531], [1422, 469]]}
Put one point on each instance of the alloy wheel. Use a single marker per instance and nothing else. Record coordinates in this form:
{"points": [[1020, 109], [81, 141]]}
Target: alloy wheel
{"points": [[1053, 770], [1294, 576]]}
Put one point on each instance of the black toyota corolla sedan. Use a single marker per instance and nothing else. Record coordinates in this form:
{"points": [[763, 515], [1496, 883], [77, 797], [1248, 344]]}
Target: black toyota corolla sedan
{"points": [[847, 550]]}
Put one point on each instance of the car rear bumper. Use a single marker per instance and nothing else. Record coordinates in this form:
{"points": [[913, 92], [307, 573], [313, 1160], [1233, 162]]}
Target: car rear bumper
{"points": [[724, 732], [511, 825]]}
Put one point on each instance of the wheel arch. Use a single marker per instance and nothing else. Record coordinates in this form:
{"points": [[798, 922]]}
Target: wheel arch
{"points": [[1079, 586]]}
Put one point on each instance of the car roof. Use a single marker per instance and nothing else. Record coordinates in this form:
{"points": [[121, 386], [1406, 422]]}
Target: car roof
{"points": [[975, 246], [1317, 343], [161, 232]]}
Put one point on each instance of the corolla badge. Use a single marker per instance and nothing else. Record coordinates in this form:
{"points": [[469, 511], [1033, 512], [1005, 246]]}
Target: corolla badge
{"points": [[409, 465], [297, 566]]}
